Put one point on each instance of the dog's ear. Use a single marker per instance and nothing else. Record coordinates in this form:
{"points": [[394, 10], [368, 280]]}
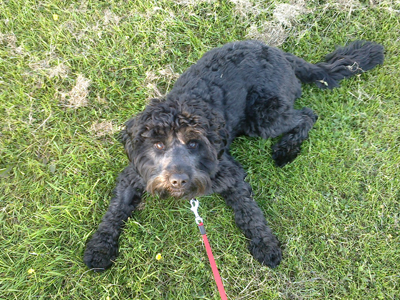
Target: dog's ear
{"points": [[137, 128], [223, 133], [128, 135], [219, 134]]}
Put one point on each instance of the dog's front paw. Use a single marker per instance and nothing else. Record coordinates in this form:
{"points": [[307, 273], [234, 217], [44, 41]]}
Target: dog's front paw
{"points": [[284, 153], [99, 255], [267, 252]]}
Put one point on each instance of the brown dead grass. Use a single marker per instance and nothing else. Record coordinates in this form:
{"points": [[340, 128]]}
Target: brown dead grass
{"points": [[78, 96], [276, 31], [193, 2], [9, 40], [167, 75], [287, 14], [95, 27], [347, 5], [43, 66], [243, 8], [246, 7], [271, 33], [60, 70], [111, 18], [104, 128]]}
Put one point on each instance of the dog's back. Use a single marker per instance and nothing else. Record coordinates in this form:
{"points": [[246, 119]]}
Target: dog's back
{"points": [[231, 79], [247, 79]]}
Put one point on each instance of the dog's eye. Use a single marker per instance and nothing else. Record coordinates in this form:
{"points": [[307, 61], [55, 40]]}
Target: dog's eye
{"points": [[159, 145], [192, 145]]}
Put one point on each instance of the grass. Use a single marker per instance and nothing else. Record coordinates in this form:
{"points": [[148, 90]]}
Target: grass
{"points": [[72, 72]]}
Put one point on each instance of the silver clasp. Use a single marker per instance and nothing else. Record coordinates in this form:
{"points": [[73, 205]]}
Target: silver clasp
{"points": [[194, 203]]}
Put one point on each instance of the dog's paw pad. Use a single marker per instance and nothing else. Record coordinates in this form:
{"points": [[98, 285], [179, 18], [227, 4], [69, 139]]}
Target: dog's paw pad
{"points": [[268, 254]]}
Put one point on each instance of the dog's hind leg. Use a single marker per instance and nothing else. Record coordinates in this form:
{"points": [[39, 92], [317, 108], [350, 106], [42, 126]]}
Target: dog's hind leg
{"points": [[263, 245], [102, 248], [287, 149], [274, 116]]}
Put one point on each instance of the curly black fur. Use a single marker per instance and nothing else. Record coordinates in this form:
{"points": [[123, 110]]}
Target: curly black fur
{"points": [[178, 146]]}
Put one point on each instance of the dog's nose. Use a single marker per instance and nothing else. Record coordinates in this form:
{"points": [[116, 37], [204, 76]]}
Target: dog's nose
{"points": [[178, 180]]}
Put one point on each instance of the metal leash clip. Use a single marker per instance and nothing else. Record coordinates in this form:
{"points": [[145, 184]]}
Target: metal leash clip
{"points": [[194, 203]]}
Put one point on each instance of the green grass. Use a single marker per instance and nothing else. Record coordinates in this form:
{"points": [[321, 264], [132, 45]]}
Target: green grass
{"points": [[335, 208]]}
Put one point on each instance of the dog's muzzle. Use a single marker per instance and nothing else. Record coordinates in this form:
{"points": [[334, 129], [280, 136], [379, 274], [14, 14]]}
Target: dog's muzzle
{"points": [[179, 185], [179, 181]]}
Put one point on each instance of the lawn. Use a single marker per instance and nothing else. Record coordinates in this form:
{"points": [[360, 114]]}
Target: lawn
{"points": [[71, 74]]}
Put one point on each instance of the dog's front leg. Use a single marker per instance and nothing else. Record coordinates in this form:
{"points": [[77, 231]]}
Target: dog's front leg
{"points": [[264, 246], [102, 248]]}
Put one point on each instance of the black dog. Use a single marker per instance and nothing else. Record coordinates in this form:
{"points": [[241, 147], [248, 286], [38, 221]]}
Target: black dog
{"points": [[178, 146]]}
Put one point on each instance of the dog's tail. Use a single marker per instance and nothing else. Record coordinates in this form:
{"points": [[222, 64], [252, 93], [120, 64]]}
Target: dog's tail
{"points": [[357, 57]]}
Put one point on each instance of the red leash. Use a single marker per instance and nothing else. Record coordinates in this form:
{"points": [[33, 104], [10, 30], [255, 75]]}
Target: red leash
{"points": [[199, 221]]}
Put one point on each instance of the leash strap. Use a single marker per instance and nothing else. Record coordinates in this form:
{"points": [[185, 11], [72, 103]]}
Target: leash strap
{"points": [[199, 221]]}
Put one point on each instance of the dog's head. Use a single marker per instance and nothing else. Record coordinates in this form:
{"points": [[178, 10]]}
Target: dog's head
{"points": [[176, 147]]}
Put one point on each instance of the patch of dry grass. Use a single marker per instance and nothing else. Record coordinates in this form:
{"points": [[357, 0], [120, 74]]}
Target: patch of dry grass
{"points": [[167, 75], [271, 33], [104, 128], [274, 32], [44, 67], [78, 95], [9, 40], [287, 14]]}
